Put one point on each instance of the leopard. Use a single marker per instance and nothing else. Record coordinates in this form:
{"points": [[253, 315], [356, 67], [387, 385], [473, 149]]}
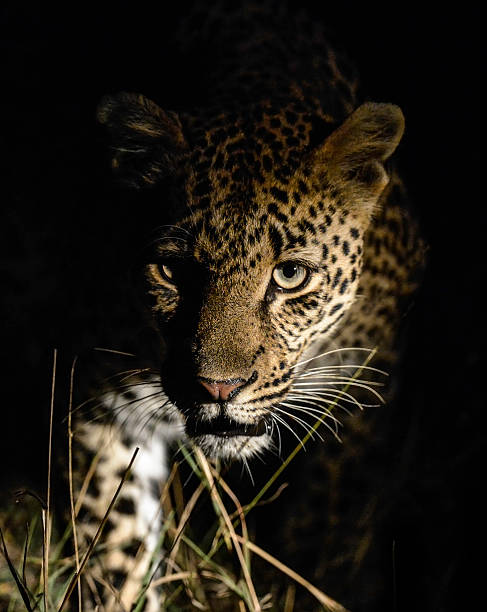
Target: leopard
{"points": [[282, 247]]}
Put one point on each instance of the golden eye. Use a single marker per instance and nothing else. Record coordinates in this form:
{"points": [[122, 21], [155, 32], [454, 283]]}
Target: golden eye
{"points": [[290, 275]]}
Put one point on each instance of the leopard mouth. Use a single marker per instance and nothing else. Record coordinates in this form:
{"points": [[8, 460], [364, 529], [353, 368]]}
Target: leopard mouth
{"points": [[225, 427]]}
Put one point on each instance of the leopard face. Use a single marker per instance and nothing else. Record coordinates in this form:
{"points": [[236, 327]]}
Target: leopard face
{"points": [[261, 257]]}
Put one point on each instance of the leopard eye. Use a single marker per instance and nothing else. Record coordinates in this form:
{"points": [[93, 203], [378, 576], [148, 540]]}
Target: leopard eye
{"points": [[166, 272], [161, 273], [290, 275]]}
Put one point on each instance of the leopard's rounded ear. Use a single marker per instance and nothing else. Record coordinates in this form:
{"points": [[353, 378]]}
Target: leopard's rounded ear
{"points": [[354, 154], [372, 131], [147, 143]]}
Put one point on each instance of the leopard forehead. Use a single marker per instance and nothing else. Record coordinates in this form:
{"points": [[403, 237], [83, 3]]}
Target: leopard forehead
{"points": [[265, 226], [250, 196], [259, 149]]}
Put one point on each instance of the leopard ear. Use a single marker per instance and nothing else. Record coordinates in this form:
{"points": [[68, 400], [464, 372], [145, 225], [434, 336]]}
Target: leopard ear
{"points": [[147, 143], [354, 154]]}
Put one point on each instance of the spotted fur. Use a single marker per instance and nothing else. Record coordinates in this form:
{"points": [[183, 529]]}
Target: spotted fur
{"points": [[272, 163]]}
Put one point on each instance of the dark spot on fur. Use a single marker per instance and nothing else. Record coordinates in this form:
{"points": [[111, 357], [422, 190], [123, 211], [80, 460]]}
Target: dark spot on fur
{"points": [[202, 188], [126, 505], [320, 130], [335, 308], [108, 527], [120, 475], [303, 188], [292, 141], [305, 225], [93, 488], [132, 548], [155, 488], [279, 194], [267, 163], [127, 441], [117, 578], [276, 241], [291, 117], [337, 278], [83, 514]]}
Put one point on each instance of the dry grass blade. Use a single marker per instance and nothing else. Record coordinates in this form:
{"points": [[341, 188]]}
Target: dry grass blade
{"points": [[200, 475], [86, 483], [239, 511], [220, 570], [182, 524], [70, 477], [290, 597], [235, 539], [45, 556], [114, 351], [174, 577], [330, 604], [24, 554], [22, 588], [46, 514], [96, 537], [177, 489]]}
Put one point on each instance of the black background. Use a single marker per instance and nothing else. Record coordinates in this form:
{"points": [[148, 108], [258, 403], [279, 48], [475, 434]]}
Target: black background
{"points": [[56, 66]]}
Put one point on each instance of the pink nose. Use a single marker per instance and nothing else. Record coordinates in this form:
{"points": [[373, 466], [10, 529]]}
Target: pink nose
{"points": [[220, 390]]}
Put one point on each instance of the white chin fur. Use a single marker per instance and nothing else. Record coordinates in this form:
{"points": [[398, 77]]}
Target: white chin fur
{"points": [[234, 448]]}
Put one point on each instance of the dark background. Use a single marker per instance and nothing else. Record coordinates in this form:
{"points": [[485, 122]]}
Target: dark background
{"points": [[57, 65]]}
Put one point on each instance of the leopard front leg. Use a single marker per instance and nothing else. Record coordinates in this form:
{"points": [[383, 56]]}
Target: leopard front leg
{"points": [[130, 535]]}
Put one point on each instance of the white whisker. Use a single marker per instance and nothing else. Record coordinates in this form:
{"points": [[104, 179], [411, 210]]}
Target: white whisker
{"points": [[342, 366], [143, 405], [306, 426], [246, 466], [279, 419], [335, 395], [320, 409], [321, 419], [331, 352], [130, 373], [340, 381], [335, 380], [276, 425]]}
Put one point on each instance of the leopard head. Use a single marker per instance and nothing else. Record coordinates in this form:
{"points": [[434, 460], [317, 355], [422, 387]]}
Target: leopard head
{"points": [[262, 252]]}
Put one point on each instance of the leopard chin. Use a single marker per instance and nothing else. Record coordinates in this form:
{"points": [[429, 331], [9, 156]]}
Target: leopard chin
{"points": [[233, 447], [223, 437]]}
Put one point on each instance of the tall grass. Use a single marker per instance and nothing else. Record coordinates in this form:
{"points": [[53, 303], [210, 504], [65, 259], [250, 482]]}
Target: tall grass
{"points": [[209, 573]]}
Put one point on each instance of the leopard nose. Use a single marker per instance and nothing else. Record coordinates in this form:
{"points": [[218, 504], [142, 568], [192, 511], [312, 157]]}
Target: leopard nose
{"points": [[221, 390]]}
